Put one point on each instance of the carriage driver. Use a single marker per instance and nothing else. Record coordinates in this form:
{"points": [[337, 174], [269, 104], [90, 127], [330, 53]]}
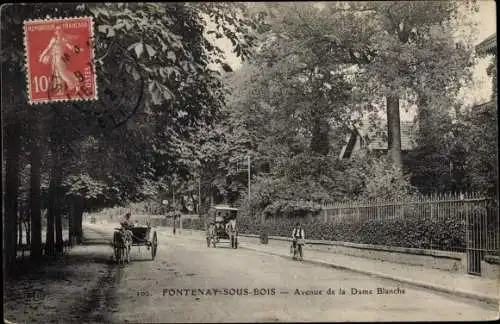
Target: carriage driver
{"points": [[126, 222]]}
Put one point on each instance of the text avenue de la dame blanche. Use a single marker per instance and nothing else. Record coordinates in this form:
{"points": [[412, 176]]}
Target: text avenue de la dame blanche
{"points": [[198, 292]]}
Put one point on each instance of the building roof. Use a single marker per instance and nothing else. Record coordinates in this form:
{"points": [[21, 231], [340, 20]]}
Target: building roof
{"points": [[377, 139], [484, 107], [488, 46]]}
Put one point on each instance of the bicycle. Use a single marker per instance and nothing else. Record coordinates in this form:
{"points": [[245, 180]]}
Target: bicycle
{"points": [[296, 249]]}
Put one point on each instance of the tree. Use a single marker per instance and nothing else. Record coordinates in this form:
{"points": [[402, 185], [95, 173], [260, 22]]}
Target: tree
{"points": [[160, 50], [318, 63], [35, 191], [418, 38], [12, 147]]}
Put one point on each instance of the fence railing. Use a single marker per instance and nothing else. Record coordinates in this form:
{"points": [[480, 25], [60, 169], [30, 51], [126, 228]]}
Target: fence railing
{"points": [[432, 207], [449, 221], [470, 211]]}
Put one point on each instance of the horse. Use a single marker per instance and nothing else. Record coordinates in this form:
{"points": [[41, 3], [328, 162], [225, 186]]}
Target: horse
{"points": [[123, 243]]}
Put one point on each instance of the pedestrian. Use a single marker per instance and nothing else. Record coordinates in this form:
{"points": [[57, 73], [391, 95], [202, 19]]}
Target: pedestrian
{"points": [[232, 232], [298, 239]]}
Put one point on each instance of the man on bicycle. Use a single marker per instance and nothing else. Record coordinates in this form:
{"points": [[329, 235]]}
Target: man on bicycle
{"points": [[298, 237]]}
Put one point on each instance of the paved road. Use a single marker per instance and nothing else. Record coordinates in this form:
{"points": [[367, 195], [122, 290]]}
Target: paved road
{"points": [[246, 286]]}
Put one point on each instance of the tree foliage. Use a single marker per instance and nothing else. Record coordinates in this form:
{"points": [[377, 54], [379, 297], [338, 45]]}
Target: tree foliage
{"points": [[157, 85], [318, 65]]}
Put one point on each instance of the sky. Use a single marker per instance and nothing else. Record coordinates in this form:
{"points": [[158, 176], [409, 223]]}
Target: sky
{"points": [[478, 92]]}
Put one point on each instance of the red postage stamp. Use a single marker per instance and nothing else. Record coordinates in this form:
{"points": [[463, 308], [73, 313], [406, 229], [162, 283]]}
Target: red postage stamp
{"points": [[60, 60]]}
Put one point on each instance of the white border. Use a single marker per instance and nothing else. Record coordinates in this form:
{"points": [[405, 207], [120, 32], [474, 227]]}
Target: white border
{"points": [[27, 66]]}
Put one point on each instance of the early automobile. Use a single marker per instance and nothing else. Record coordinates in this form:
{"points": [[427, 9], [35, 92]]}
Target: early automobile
{"points": [[222, 225]]}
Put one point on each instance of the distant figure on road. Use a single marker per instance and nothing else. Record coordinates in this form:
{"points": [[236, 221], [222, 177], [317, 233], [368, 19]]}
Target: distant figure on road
{"points": [[177, 216], [298, 237], [232, 231], [210, 232]]}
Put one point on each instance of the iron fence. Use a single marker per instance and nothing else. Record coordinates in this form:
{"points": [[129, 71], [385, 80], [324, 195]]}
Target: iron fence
{"points": [[476, 214]]}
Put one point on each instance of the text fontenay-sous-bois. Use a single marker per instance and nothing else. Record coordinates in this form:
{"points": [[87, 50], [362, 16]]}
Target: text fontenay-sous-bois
{"points": [[197, 292]]}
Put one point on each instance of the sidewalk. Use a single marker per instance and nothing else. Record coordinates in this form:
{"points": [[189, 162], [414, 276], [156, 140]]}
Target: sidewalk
{"points": [[76, 288], [479, 288]]}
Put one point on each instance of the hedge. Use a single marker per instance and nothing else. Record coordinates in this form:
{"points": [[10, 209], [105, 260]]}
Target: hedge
{"points": [[194, 224], [445, 234]]}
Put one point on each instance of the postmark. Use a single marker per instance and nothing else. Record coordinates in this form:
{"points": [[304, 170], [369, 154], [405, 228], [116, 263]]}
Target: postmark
{"points": [[60, 60]]}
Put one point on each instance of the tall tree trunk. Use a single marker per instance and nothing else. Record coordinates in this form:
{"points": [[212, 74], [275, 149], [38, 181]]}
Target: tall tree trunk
{"points": [[53, 208], [12, 143], [58, 219], [320, 141], [77, 231], [35, 194], [394, 131], [49, 239], [55, 201], [27, 225], [71, 221], [195, 204], [183, 205], [423, 118], [20, 227]]}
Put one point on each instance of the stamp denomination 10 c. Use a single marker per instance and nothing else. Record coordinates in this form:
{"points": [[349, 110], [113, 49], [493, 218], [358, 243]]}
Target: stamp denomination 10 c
{"points": [[60, 60]]}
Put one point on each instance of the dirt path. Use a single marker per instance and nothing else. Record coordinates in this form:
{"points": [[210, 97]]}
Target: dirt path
{"points": [[77, 288]]}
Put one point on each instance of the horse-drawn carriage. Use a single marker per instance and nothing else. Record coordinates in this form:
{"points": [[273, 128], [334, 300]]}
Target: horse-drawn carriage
{"points": [[125, 238], [222, 225]]}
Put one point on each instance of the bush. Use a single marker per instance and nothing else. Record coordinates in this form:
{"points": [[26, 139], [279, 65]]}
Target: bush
{"points": [[445, 234], [385, 181], [290, 209], [194, 224]]}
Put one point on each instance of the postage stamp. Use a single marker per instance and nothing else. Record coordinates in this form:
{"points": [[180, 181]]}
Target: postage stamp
{"points": [[60, 60]]}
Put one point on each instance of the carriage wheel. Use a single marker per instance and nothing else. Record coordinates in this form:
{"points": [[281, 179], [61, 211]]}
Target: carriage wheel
{"points": [[154, 246]]}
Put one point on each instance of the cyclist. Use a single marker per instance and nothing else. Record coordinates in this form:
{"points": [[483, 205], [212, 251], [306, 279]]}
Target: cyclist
{"points": [[298, 237]]}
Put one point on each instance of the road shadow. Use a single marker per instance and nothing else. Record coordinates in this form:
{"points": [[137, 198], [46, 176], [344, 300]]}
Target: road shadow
{"points": [[143, 256], [101, 300], [97, 242], [134, 260]]}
